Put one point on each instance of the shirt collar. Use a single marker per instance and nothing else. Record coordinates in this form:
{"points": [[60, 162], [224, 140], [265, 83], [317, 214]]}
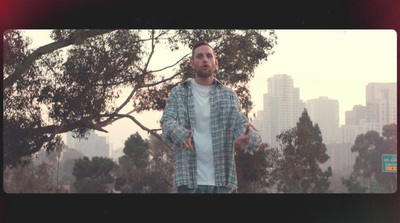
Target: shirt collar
{"points": [[187, 81]]}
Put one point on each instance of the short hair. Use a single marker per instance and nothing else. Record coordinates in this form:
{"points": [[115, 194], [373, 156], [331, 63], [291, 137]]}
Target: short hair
{"points": [[201, 43]]}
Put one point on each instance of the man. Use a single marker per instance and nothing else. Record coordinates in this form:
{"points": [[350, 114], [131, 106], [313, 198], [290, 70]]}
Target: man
{"points": [[203, 119]]}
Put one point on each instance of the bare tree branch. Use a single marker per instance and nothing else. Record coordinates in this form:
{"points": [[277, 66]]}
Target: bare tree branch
{"points": [[142, 86], [152, 51], [161, 81], [113, 119], [86, 122], [141, 126], [126, 101], [155, 71]]}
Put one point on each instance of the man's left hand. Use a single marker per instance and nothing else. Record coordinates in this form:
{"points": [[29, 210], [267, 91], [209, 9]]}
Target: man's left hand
{"points": [[244, 140]]}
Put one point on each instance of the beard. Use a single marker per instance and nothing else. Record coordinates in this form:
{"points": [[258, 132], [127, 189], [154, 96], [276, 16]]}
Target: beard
{"points": [[204, 73]]}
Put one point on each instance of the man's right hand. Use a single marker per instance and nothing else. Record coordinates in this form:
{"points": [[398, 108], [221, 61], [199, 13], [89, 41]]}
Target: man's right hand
{"points": [[187, 143]]}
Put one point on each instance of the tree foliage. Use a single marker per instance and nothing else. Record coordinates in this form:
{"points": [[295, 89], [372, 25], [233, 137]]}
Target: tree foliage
{"points": [[257, 171], [49, 90], [353, 185], [92, 176], [146, 167], [132, 171], [38, 176], [368, 164], [137, 149], [161, 166], [303, 152], [67, 165], [29, 179]]}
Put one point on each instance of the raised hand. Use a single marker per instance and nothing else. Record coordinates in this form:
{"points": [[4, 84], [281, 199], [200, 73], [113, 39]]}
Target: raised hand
{"points": [[244, 139], [187, 143]]}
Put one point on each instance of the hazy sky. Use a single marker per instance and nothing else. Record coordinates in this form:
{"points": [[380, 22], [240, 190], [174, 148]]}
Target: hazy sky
{"points": [[334, 63]]}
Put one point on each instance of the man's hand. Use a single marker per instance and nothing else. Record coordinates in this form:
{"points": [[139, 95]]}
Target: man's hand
{"points": [[244, 140], [187, 144]]}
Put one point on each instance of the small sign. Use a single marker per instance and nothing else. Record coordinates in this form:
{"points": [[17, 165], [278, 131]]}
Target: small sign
{"points": [[389, 163]]}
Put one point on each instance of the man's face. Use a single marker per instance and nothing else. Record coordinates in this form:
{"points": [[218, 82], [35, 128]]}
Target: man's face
{"points": [[204, 62]]}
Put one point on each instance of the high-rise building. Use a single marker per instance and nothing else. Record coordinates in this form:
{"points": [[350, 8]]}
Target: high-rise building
{"points": [[94, 145], [325, 112], [355, 124], [380, 110], [282, 108], [260, 124], [381, 105], [357, 116], [116, 154]]}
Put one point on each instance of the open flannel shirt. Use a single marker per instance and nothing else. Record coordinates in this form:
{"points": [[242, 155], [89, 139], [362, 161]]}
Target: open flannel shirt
{"points": [[227, 123]]}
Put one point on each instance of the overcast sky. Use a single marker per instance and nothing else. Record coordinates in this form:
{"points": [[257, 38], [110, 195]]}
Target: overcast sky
{"points": [[333, 63]]}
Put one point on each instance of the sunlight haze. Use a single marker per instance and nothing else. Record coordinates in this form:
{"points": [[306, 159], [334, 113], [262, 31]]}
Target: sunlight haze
{"points": [[333, 63]]}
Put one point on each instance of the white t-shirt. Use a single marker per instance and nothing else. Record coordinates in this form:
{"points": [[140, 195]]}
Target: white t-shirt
{"points": [[202, 134]]}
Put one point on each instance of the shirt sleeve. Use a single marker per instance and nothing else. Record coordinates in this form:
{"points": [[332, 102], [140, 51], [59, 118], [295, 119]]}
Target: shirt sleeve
{"points": [[172, 131], [241, 122]]}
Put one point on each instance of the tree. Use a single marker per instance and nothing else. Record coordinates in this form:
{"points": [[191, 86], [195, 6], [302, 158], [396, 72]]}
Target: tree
{"points": [[354, 186], [303, 152], [93, 176], [161, 166], [137, 149], [79, 93], [368, 164], [29, 179], [257, 171], [25, 131], [146, 167], [133, 165], [68, 159], [388, 181], [36, 177]]}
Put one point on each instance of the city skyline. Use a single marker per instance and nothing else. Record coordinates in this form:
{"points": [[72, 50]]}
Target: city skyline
{"points": [[283, 107], [337, 64]]}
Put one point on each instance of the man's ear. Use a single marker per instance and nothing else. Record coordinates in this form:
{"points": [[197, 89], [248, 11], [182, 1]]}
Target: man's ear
{"points": [[192, 64], [216, 63]]}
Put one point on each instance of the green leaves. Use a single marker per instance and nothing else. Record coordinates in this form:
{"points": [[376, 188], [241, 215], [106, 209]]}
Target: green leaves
{"points": [[15, 50], [138, 172], [256, 171], [92, 176], [303, 152], [368, 163], [79, 85], [137, 149]]}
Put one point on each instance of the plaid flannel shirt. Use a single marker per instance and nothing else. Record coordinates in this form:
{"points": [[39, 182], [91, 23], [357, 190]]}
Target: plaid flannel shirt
{"points": [[227, 123]]}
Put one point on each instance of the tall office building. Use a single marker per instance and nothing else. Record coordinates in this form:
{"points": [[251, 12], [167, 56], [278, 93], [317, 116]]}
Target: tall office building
{"points": [[380, 110], [260, 124], [355, 124], [381, 105], [282, 107], [325, 112], [357, 116], [94, 145], [116, 154]]}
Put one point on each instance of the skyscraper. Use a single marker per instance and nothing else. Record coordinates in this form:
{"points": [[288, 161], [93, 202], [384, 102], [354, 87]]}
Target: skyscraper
{"points": [[357, 116], [381, 105], [94, 145], [282, 107], [355, 124], [380, 110], [325, 112]]}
